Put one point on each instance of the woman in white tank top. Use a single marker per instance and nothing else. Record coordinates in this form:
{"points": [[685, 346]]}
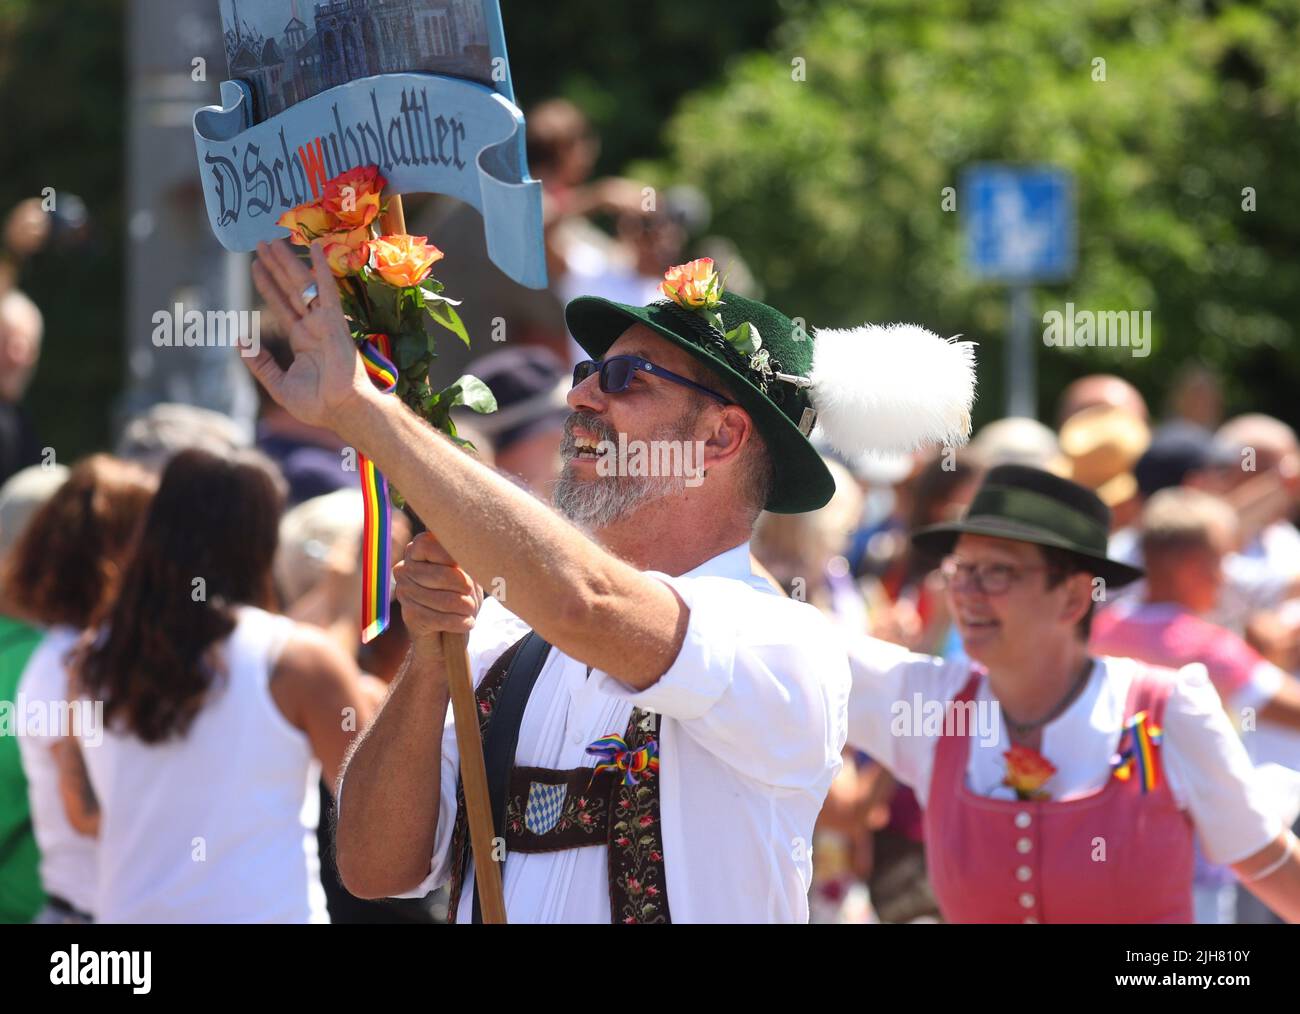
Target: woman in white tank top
{"points": [[219, 716]]}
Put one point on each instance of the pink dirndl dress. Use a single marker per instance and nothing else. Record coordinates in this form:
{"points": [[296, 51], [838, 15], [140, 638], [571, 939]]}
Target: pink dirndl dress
{"points": [[1117, 855]]}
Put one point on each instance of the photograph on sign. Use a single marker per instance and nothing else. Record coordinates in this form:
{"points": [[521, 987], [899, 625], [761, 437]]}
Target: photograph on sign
{"points": [[290, 50]]}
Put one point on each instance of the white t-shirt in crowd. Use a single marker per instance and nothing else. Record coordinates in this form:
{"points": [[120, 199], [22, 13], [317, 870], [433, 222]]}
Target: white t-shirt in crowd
{"points": [[67, 857], [752, 731], [1210, 774], [218, 826]]}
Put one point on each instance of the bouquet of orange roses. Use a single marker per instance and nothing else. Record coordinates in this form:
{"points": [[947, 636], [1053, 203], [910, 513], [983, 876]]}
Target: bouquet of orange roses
{"points": [[395, 310], [388, 293]]}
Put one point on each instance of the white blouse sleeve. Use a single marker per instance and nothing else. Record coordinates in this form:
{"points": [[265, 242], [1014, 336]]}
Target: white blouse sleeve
{"points": [[1210, 773], [896, 695]]}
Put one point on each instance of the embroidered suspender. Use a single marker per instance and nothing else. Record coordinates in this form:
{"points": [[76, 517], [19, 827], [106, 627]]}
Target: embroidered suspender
{"points": [[546, 810]]}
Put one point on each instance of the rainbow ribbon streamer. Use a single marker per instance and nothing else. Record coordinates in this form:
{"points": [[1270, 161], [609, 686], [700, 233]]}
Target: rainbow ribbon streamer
{"points": [[617, 757], [1138, 744], [377, 542]]}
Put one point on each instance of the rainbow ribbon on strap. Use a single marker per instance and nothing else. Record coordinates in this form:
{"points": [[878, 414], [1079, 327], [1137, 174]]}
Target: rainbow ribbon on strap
{"points": [[1137, 752], [616, 756], [377, 541]]}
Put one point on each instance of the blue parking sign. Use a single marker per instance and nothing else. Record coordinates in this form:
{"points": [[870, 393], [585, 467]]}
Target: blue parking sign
{"points": [[1019, 222]]}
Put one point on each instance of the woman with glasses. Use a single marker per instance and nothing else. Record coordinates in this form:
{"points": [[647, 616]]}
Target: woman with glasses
{"points": [[1059, 787]]}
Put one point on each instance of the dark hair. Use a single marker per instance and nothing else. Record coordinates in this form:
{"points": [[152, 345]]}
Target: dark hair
{"points": [[69, 559], [206, 547], [1062, 564]]}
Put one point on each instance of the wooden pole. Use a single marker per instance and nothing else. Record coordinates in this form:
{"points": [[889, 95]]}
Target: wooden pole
{"points": [[464, 709], [473, 776]]}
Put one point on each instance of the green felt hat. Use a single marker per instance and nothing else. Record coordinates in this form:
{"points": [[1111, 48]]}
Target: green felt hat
{"points": [[871, 388], [802, 482], [1030, 505]]}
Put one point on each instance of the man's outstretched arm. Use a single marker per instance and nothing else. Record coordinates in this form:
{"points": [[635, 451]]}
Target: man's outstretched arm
{"points": [[564, 586]]}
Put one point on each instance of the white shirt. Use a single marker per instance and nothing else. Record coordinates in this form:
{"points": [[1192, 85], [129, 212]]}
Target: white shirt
{"points": [[753, 723], [217, 826], [1209, 771], [67, 857]]}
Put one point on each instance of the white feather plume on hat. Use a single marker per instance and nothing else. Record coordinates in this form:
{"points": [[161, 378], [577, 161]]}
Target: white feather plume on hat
{"points": [[895, 387]]}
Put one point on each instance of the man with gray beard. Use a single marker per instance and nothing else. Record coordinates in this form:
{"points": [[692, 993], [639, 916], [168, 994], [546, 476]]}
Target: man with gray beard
{"points": [[619, 491], [660, 727]]}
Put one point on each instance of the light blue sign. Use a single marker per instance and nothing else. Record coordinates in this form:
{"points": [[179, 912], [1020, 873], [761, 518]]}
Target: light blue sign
{"points": [[426, 133], [1019, 222]]}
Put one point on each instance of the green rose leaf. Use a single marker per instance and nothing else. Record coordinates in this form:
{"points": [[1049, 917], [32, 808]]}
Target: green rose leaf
{"points": [[745, 339], [383, 313], [444, 312], [476, 395]]}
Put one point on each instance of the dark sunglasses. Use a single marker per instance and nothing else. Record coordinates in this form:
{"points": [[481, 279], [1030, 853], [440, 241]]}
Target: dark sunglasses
{"points": [[616, 374]]}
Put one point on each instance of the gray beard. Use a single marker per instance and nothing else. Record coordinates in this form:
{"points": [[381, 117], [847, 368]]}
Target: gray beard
{"points": [[598, 502]]}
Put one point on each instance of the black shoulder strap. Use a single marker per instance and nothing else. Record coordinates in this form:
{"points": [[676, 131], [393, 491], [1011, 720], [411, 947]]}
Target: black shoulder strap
{"points": [[502, 735]]}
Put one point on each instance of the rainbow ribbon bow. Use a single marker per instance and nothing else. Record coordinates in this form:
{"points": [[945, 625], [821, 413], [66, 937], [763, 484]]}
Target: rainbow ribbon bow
{"points": [[377, 538], [1137, 752], [635, 764]]}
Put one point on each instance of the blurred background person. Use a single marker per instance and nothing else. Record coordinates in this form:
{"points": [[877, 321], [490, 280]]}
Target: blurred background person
{"points": [[64, 570], [1268, 449], [1185, 535], [648, 240], [1100, 389], [154, 437], [1017, 440], [220, 717], [1102, 445], [21, 497], [804, 553], [562, 150], [522, 437], [1196, 396], [21, 331], [312, 460]]}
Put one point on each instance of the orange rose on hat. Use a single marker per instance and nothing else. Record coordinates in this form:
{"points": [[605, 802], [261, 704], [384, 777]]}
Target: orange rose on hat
{"points": [[693, 286]]}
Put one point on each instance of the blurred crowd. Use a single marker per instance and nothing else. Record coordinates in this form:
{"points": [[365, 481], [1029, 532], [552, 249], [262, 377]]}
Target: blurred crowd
{"points": [[205, 589]]}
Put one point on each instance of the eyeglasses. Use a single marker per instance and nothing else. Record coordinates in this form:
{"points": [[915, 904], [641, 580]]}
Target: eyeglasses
{"points": [[988, 578], [616, 375]]}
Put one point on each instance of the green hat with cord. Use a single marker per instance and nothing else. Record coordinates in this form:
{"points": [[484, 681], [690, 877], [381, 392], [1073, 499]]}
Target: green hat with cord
{"points": [[874, 388]]}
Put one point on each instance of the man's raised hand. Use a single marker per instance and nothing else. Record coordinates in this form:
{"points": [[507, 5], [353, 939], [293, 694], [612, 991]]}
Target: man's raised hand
{"points": [[327, 376]]}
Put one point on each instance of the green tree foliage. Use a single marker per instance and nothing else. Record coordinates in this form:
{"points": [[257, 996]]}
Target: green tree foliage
{"points": [[832, 185], [628, 64], [63, 100]]}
